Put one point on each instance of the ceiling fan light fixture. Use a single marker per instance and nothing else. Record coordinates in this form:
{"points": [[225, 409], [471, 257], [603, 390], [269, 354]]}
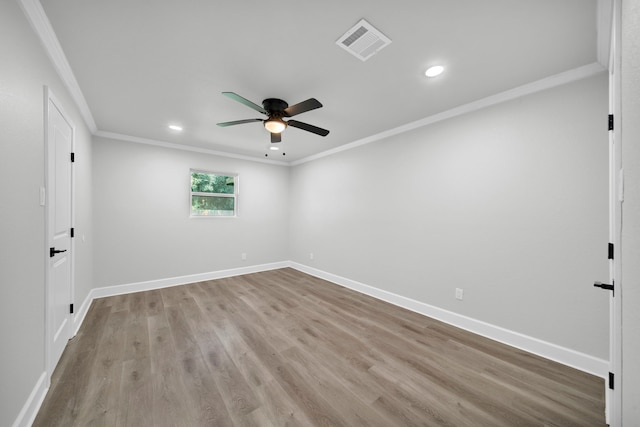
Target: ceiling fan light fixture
{"points": [[275, 125]]}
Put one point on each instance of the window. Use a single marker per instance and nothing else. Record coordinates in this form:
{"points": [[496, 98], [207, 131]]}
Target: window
{"points": [[213, 194]]}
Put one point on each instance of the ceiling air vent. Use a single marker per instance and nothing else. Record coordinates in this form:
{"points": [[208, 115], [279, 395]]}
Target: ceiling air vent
{"points": [[363, 40]]}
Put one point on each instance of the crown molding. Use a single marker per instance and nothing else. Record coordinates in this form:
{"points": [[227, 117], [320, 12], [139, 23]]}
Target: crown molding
{"points": [[146, 141], [38, 19], [528, 89], [40, 23]]}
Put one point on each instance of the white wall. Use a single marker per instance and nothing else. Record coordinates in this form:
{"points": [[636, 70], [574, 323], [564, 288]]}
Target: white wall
{"points": [[630, 72], [24, 71], [508, 203], [141, 215]]}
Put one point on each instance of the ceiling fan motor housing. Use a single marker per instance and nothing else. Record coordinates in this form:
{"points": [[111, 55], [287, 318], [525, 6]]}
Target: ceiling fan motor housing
{"points": [[275, 107]]}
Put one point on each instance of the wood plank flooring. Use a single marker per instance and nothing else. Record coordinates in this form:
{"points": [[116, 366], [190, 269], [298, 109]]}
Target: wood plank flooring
{"points": [[282, 348]]}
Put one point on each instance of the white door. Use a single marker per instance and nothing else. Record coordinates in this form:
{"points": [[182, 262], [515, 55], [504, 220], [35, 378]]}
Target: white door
{"points": [[59, 142], [615, 201], [616, 187]]}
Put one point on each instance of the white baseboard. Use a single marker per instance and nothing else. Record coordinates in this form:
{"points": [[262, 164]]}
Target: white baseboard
{"points": [[81, 312], [566, 356], [30, 409], [547, 350], [109, 291]]}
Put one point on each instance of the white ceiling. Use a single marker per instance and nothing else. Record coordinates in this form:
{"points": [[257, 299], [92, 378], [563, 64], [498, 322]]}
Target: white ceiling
{"points": [[142, 65]]}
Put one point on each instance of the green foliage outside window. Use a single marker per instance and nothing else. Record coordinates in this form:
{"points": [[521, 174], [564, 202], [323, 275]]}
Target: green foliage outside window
{"points": [[213, 194], [211, 183]]}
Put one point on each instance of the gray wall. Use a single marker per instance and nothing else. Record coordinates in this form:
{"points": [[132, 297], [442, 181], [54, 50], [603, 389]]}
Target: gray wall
{"points": [[141, 215], [24, 70], [630, 98], [508, 203]]}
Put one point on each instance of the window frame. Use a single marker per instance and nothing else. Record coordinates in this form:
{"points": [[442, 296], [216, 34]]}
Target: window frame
{"points": [[234, 195]]}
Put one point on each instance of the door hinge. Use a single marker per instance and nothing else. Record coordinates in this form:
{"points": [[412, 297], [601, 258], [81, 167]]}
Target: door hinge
{"points": [[610, 121], [610, 251], [611, 380], [72, 233], [73, 157], [71, 308]]}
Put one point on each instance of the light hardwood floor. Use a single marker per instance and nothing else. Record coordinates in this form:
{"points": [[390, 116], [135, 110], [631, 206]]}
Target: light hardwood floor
{"points": [[282, 348]]}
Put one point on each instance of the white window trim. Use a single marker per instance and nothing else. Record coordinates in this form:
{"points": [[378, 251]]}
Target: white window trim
{"points": [[236, 192]]}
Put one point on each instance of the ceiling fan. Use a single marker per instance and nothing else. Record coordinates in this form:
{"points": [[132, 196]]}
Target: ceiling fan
{"points": [[276, 109]]}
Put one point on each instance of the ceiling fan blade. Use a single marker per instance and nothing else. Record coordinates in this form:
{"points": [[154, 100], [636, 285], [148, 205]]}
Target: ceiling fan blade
{"points": [[245, 101], [238, 122], [302, 107], [276, 137], [308, 127]]}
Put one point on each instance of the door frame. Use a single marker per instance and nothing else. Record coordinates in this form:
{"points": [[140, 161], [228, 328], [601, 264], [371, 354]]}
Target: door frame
{"points": [[51, 99], [616, 197]]}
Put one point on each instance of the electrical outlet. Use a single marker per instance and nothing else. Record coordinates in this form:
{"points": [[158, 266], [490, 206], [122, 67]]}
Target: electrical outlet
{"points": [[243, 256], [459, 293]]}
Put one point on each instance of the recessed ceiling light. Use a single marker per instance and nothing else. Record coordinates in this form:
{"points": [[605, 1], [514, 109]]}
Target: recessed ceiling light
{"points": [[436, 70], [274, 148], [175, 127]]}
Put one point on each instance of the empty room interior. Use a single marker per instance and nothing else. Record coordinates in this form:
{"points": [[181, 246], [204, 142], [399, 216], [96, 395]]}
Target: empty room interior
{"points": [[320, 213]]}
